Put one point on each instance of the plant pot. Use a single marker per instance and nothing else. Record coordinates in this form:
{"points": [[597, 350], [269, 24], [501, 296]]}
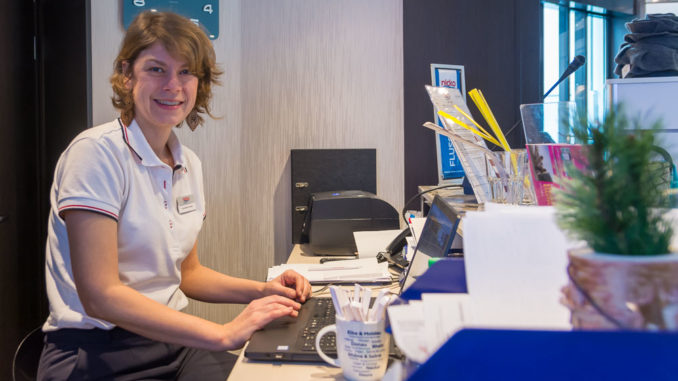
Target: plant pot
{"points": [[608, 291]]}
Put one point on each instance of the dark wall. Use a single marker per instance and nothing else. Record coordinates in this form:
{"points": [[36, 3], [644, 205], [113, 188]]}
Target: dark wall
{"points": [[64, 91], [43, 104], [20, 279], [499, 44]]}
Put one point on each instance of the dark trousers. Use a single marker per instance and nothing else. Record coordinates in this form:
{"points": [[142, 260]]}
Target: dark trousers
{"points": [[96, 354]]}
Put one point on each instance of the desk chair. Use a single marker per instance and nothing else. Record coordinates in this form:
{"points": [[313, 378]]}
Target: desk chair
{"points": [[27, 356]]}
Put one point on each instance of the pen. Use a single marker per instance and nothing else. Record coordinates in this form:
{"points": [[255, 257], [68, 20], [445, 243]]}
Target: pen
{"points": [[409, 220], [335, 300], [332, 268]]}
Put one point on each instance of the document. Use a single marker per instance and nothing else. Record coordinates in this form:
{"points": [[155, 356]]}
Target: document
{"points": [[366, 270], [371, 243], [515, 260], [472, 158], [421, 327]]}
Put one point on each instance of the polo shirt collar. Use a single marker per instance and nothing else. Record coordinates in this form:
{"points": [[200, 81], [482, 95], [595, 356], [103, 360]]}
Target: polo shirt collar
{"points": [[136, 140]]}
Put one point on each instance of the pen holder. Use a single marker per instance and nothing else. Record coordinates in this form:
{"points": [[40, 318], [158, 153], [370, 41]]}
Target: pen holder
{"points": [[507, 176], [362, 348]]}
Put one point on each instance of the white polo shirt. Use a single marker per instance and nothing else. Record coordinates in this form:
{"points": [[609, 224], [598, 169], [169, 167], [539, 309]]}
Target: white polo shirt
{"points": [[111, 169]]}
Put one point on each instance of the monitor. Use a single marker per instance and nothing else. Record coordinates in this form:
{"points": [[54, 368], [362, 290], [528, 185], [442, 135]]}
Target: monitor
{"points": [[435, 241]]}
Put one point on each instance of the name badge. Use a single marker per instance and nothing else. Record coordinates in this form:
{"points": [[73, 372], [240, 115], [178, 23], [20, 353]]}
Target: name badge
{"points": [[185, 204]]}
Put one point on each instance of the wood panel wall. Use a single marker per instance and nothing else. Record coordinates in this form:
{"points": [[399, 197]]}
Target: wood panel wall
{"points": [[298, 74]]}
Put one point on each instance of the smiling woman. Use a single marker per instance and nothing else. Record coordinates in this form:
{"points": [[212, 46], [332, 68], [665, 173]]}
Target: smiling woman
{"points": [[127, 205], [187, 45], [163, 91]]}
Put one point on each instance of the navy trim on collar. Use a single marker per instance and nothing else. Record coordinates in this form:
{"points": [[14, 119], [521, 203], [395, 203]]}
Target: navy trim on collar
{"points": [[123, 128]]}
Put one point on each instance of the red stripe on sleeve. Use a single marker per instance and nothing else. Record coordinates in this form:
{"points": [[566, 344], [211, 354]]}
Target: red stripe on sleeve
{"points": [[88, 207]]}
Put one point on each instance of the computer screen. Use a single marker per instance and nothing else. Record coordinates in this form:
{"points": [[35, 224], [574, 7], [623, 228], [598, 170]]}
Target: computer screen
{"points": [[435, 241]]}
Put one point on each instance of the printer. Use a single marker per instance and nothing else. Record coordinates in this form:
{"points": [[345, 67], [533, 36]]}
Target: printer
{"points": [[333, 217]]}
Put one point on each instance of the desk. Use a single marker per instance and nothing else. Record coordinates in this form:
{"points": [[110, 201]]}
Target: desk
{"points": [[247, 370]]}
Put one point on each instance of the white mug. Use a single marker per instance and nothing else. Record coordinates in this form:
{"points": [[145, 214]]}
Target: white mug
{"points": [[362, 348]]}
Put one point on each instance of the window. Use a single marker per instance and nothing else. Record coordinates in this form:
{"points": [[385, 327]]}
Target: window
{"points": [[572, 29]]}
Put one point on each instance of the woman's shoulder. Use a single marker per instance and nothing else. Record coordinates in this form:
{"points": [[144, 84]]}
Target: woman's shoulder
{"points": [[102, 142], [107, 135]]}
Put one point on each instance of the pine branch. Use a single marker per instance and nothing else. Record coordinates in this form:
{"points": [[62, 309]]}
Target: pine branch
{"points": [[616, 204]]}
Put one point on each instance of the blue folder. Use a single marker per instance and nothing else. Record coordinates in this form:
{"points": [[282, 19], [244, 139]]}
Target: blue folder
{"points": [[483, 354], [447, 275], [493, 354]]}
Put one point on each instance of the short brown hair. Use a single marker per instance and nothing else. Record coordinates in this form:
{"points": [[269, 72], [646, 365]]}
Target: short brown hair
{"points": [[181, 38]]}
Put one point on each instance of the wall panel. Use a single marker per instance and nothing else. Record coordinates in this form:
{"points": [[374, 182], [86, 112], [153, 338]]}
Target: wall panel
{"points": [[497, 42]]}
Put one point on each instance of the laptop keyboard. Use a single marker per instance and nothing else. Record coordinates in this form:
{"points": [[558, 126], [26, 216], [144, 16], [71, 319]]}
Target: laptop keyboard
{"points": [[323, 315]]}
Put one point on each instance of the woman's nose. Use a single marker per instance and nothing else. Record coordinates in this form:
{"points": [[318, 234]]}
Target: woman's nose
{"points": [[173, 82]]}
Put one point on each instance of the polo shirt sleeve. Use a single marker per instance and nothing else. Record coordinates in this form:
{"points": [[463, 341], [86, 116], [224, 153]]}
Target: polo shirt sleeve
{"points": [[90, 177]]}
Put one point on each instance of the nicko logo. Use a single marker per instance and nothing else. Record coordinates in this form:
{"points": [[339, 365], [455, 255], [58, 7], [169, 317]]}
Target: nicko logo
{"points": [[448, 83]]}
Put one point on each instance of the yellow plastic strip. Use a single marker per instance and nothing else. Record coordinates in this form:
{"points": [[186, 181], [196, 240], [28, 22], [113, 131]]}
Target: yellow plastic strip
{"points": [[481, 103], [489, 138], [473, 121]]}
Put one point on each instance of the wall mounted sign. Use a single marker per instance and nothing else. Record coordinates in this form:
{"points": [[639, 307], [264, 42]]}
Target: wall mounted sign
{"points": [[205, 14], [449, 167]]}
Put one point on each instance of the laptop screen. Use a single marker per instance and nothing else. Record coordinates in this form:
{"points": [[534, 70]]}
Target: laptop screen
{"points": [[435, 241]]}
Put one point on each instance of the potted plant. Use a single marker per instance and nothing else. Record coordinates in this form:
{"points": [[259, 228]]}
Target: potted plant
{"points": [[627, 276]]}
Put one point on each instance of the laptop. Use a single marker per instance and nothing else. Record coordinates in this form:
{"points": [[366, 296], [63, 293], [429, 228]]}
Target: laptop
{"points": [[291, 339]]}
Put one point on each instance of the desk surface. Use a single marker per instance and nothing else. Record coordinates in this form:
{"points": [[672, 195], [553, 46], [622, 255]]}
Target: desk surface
{"points": [[248, 370]]}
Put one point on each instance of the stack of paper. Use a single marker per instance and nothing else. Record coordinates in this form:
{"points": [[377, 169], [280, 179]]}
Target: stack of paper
{"points": [[421, 327], [349, 271], [516, 260]]}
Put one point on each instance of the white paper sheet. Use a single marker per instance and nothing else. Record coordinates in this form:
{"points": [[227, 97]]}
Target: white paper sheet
{"points": [[349, 271], [421, 327], [409, 332], [371, 243], [417, 224], [445, 315], [515, 261]]}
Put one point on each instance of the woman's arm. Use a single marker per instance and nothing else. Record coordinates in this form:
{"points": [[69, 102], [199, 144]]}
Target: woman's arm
{"points": [[94, 259], [204, 284]]}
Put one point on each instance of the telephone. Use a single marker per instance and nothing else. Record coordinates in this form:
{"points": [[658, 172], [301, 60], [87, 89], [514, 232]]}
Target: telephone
{"points": [[396, 246], [393, 251]]}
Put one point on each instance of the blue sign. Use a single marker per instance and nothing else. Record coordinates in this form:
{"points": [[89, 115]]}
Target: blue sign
{"points": [[448, 162], [204, 14]]}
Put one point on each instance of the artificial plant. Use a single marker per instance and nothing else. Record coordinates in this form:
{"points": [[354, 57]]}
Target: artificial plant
{"points": [[616, 206]]}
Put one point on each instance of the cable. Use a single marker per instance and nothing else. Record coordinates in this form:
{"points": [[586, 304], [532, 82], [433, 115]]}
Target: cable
{"points": [[322, 289], [513, 127], [418, 195]]}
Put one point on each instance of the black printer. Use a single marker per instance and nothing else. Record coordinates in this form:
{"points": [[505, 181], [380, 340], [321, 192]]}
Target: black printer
{"points": [[333, 217]]}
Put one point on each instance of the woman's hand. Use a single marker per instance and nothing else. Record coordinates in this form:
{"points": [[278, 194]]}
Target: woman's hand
{"points": [[256, 315], [290, 284]]}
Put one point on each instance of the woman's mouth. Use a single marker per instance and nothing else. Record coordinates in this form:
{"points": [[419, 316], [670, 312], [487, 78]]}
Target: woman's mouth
{"points": [[168, 103]]}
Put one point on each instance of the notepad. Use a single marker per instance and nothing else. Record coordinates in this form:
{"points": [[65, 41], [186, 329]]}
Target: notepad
{"points": [[366, 270]]}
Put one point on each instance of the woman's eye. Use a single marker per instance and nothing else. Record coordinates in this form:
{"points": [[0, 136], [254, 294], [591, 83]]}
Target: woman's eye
{"points": [[185, 72], [156, 69]]}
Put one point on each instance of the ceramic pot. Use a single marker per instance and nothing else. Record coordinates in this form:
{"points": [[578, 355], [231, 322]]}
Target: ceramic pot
{"points": [[608, 291]]}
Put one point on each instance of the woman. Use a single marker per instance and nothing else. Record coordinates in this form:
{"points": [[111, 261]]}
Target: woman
{"points": [[127, 207]]}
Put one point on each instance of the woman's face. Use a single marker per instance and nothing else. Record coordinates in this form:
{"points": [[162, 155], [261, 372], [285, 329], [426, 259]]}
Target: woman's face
{"points": [[163, 88]]}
